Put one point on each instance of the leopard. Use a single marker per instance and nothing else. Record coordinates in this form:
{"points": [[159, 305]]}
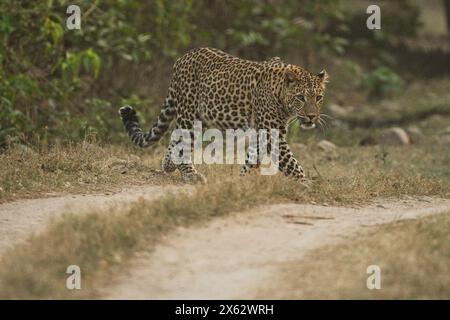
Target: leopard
{"points": [[227, 92]]}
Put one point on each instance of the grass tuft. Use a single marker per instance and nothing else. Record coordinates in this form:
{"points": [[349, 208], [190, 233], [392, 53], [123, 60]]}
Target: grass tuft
{"points": [[413, 257], [75, 168]]}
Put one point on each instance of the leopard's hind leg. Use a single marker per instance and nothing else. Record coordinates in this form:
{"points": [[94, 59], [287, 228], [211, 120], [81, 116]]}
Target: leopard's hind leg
{"points": [[167, 165], [184, 164]]}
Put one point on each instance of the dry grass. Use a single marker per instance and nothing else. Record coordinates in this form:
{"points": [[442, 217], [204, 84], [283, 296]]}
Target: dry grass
{"points": [[79, 168], [413, 256], [100, 242], [87, 168]]}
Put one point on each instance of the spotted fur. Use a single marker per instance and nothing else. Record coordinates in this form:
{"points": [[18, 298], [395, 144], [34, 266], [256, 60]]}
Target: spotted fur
{"points": [[227, 92]]}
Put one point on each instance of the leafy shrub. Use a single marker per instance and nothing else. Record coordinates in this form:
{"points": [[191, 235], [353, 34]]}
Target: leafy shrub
{"points": [[58, 81], [64, 84], [383, 82]]}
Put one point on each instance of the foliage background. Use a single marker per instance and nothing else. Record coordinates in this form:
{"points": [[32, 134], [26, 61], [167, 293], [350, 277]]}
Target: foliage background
{"points": [[58, 85]]}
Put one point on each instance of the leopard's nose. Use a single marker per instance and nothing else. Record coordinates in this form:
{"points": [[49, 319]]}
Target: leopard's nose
{"points": [[311, 117]]}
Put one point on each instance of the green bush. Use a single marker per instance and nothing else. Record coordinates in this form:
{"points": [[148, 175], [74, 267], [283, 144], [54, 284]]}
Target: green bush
{"points": [[59, 84], [58, 81], [383, 82]]}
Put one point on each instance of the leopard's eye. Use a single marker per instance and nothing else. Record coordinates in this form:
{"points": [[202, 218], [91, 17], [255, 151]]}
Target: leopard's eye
{"points": [[319, 98], [301, 97]]}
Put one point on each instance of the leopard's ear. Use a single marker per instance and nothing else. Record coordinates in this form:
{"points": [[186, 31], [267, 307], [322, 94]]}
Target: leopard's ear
{"points": [[290, 76], [323, 76]]}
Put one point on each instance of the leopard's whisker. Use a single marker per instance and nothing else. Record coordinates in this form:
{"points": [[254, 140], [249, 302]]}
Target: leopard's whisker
{"points": [[326, 115], [321, 126], [322, 123]]}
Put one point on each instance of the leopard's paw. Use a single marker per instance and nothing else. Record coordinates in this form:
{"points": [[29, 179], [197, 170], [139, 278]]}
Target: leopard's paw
{"points": [[126, 111], [244, 170], [167, 165]]}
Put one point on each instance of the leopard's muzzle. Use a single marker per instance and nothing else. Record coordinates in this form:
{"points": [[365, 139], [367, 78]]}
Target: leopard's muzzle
{"points": [[307, 123]]}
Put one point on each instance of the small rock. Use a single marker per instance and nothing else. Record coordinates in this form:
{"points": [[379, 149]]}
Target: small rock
{"points": [[444, 137], [414, 133], [339, 124], [445, 140], [326, 145], [337, 110], [300, 146], [395, 136], [329, 149]]}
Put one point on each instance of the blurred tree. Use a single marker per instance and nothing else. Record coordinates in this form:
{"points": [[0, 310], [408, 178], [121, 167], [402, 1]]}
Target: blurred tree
{"points": [[447, 15]]}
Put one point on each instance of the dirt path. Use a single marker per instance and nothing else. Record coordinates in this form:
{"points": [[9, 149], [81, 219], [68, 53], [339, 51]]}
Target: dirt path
{"points": [[21, 218], [229, 258], [234, 257]]}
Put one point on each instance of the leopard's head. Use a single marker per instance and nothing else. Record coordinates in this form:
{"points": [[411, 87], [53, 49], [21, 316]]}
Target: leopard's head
{"points": [[303, 95]]}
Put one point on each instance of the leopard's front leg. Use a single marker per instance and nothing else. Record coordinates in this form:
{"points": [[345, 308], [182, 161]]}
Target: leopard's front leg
{"points": [[288, 164], [251, 160]]}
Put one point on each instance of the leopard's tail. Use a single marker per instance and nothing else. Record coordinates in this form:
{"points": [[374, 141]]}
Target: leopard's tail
{"points": [[141, 139]]}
